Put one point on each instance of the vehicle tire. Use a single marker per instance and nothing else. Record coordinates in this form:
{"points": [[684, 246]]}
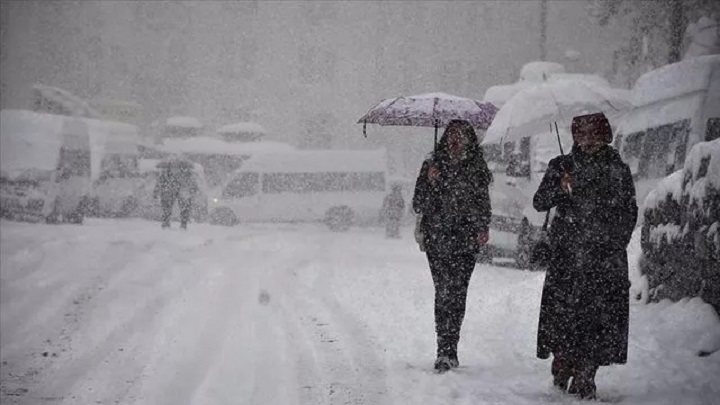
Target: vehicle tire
{"points": [[223, 216], [339, 219]]}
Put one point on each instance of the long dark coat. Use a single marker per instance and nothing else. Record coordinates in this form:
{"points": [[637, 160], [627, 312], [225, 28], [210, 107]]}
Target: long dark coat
{"points": [[456, 207], [585, 301]]}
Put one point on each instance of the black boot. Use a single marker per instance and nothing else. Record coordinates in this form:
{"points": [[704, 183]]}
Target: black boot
{"points": [[583, 382], [561, 370], [443, 364]]}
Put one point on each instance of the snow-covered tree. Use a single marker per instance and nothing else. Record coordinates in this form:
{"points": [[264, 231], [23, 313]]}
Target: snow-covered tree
{"points": [[657, 30]]}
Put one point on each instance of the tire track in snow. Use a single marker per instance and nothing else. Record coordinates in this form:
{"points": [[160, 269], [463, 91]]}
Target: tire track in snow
{"points": [[348, 370], [61, 380], [48, 331]]}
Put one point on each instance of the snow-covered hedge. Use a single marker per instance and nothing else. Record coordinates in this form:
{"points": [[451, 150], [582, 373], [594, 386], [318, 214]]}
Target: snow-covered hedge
{"points": [[680, 240]]}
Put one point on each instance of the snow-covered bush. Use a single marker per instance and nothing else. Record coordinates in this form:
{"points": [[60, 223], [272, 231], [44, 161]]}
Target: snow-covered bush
{"points": [[680, 239]]}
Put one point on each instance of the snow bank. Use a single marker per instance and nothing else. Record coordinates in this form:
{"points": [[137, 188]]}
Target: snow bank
{"points": [[29, 141], [317, 161], [241, 127], [210, 145], [676, 79], [183, 122]]}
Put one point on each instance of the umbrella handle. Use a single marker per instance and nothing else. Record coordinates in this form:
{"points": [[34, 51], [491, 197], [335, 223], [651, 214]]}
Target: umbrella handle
{"points": [[558, 137], [436, 131], [365, 128]]}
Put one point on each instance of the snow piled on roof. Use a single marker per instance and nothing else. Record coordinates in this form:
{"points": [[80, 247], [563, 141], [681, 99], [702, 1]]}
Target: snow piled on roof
{"points": [[73, 104], [539, 72], [318, 161], [29, 141], [640, 118], [242, 127], [500, 94], [595, 79], [674, 80], [183, 122], [210, 145]]}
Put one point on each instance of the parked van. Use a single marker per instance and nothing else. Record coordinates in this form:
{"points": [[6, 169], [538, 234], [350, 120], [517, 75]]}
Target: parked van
{"points": [[45, 166], [339, 188], [675, 107], [115, 172]]}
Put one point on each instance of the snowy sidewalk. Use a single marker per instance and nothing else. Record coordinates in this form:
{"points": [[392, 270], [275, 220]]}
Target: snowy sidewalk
{"points": [[122, 312]]}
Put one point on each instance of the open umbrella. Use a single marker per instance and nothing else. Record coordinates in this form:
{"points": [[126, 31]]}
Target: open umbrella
{"points": [[532, 110], [429, 110]]}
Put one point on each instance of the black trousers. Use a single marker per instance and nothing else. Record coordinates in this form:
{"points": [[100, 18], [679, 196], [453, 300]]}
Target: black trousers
{"points": [[167, 206], [451, 274]]}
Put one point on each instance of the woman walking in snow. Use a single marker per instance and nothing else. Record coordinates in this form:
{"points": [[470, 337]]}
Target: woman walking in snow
{"points": [[451, 194], [585, 301]]}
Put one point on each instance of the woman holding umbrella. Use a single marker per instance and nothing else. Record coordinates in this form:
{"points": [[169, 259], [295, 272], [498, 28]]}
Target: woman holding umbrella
{"points": [[584, 310], [451, 194]]}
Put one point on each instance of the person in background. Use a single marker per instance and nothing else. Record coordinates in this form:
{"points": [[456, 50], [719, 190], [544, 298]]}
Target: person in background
{"points": [[176, 183], [584, 311], [393, 208], [451, 195]]}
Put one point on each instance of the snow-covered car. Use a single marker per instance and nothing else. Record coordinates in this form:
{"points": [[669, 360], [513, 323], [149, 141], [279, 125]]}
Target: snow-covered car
{"points": [[149, 207], [680, 238], [45, 164], [675, 107], [116, 176]]}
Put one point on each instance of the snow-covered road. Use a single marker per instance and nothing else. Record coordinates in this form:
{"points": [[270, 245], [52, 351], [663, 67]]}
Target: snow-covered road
{"points": [[121, 312]]}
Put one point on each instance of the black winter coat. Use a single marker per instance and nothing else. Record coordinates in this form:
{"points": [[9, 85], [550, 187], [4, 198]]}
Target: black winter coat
{"points": [[173, 184], [585, 302], [456, 207]]}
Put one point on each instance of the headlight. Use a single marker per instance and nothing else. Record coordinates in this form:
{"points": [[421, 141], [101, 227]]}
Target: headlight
{"points": [[215, 200]]}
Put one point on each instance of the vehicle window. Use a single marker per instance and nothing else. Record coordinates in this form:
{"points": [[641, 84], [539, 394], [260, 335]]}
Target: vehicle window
{"points": [[493, 153], [244, 185], [712, 132], [703, 169], [322, 182], [632, 146], [663, 149], [73, 162], [119, 166]]}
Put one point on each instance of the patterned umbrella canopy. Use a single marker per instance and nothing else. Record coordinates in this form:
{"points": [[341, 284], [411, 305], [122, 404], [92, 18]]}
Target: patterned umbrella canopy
{"points": [[430, 110]]}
